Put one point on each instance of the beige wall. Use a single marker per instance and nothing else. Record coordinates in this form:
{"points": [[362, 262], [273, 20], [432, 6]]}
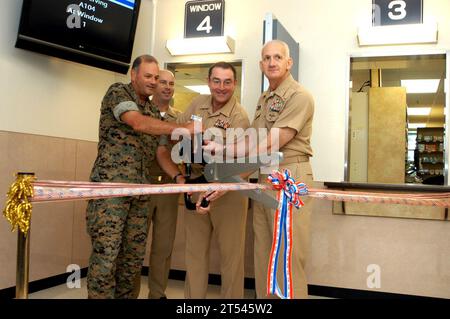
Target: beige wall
{"points": [[58, 237], [413, 255]]}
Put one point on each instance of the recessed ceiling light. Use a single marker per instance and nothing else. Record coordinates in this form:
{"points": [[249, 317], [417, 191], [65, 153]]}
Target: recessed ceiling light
{"points": [[421, 86], [419, 111], [416, 125], [202, 89]]}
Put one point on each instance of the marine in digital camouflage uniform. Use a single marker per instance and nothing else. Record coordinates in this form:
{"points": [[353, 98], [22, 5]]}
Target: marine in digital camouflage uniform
{"points": [[118, 226]]}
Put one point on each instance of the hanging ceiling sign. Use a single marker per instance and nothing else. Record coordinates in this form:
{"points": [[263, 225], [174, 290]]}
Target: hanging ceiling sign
{"points": [[391, 12], [204, 18]]}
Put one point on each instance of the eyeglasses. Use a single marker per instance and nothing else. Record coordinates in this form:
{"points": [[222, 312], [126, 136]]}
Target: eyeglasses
{"points": [[225, 83]]}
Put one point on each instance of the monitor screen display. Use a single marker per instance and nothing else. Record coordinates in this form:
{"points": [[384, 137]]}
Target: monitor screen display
{"points": [[95, 32]]}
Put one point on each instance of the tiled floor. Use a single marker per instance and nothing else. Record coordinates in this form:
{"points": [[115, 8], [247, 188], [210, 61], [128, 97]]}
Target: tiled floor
{"points": [[175, 290]]}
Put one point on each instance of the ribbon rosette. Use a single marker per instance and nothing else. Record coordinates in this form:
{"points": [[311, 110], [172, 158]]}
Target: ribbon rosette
{"points": [[288, 196]]}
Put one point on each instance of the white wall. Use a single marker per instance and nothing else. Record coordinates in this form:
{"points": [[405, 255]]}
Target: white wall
{"points": [[50, 96], [326, 31]]}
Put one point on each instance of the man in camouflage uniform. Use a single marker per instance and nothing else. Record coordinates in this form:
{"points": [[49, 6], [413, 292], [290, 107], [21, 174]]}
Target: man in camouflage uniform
{"points": [[163, 209], [126, 147]]}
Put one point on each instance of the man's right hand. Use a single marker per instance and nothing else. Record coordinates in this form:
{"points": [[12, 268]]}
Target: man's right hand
{"points": [[180, 179], [212, 147]]}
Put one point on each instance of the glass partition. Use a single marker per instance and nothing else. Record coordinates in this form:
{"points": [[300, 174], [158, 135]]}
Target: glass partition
{"points": [[396, 123], [397, 131]]}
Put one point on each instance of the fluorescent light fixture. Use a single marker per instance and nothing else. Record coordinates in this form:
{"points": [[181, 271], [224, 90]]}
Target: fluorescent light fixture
{"points": [[202, 89], [412, 111], [204, 45], [398, 34], [420, 85], [416, 125]]}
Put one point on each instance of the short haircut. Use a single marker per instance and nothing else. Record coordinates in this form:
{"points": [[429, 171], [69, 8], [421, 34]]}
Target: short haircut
{"points": [[143, 58], [167, 71], [284, 44], [222, 65]]}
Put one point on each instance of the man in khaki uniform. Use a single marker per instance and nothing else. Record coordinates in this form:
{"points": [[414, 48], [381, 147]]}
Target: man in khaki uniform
{"points": [[163, 209], [289, 107], [227, 216]]}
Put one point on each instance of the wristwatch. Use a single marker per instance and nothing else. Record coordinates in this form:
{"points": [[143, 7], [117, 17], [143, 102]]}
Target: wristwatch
{"points": [[175, 177]]}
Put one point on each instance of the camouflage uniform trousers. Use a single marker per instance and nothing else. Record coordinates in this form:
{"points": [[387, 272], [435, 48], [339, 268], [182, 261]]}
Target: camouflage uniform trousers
{"points": [[118, 230]]}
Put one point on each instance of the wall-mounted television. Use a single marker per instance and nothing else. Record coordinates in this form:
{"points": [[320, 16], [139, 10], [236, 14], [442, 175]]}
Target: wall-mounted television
{"points": [[99, 33]]}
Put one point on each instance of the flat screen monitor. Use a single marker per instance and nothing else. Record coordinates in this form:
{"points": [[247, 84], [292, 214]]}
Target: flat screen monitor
{"points": [[99, 33]]}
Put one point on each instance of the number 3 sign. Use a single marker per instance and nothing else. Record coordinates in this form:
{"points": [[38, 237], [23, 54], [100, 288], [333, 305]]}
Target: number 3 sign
{"points": [[389, 12], [204, 18]]}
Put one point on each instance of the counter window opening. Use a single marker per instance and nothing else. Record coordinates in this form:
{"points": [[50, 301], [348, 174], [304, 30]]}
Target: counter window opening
{"points": [[397, 120]]}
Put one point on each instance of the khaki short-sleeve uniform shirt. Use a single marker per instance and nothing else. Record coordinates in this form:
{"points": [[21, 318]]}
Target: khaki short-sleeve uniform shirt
{"points": [[158, 176], [231, 115], [289, 105]]}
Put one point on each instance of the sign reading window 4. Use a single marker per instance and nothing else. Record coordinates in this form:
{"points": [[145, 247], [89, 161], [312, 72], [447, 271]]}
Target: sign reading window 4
{"points": [[204, 18], [389, 12]]}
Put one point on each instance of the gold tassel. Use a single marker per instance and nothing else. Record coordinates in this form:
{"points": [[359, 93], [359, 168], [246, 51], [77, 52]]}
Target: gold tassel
{"points": [[18, 207]]}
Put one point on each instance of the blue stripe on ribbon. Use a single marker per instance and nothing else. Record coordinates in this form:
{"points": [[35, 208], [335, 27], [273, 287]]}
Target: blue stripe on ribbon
{"points": [[283, 231], [290, 195]]}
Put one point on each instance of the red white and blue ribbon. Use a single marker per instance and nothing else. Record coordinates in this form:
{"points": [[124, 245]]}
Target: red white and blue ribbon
{"points": [[288, 196], [50, 191]]}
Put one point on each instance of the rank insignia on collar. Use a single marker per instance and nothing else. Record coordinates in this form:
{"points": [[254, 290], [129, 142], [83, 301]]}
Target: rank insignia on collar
{"points": [[222, 124], [276, 104]]}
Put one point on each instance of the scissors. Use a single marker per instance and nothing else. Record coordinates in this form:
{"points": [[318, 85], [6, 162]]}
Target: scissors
{"points": [[229, 173]]}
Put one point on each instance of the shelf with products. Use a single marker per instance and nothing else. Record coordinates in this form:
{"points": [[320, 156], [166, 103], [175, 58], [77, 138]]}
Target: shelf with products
{"points": [[429, 153]]}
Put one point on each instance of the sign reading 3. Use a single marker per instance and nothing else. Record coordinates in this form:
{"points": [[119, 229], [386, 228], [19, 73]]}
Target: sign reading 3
{"points": [[390, 12]]}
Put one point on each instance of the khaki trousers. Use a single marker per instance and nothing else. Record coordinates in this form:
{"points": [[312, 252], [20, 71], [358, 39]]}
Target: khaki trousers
{"points": [[226, 221], [163, 215], [163, 211], [263, 219]]}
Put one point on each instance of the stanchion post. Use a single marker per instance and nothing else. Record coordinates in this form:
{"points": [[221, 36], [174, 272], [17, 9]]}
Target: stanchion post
{"points": [[23, 258], [23, 264]]}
